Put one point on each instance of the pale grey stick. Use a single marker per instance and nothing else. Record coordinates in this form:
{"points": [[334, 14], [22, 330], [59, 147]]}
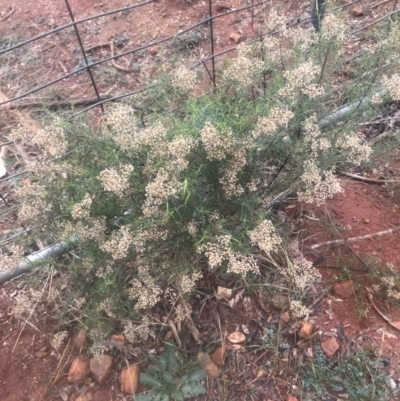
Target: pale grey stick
{"points": [[30, 261]]}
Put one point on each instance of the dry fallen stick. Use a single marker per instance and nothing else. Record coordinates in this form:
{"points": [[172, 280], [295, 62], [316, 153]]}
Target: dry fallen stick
{"points": [[354, 239], [9, 14], [114, 63], [175, 333], [371, 180], [191, 326], [380, 3], [371, 299]]}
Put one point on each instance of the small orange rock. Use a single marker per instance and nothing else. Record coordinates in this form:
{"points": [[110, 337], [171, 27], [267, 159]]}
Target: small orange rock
{"points": [[130, 379], [330, 346], [235, 37], [208, 365], [219, 355], [79, 369], [237, 337], [306, 330], [86, 397], [285, 316], [153, 50], [100, 367], [291, 398], [344, 289], [357, 11], [118, 338], [169, 335]]}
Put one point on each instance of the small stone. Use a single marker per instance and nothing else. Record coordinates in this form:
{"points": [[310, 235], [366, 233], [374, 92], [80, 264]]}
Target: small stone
{"points": [[130, 379], [153, 50], [79, 369], [291, 398], [208, 365], [306, 330], [392, 384], [221, 8], [330, 346], [285, 316], [218, 356], [86, 397], [80, 340], [117, 341], [100, 367], [357, 11], [235, 37], [237, 337], [344, 289]]}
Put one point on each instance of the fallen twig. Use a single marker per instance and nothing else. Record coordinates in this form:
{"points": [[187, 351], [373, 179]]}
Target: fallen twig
{"points": [[189, 320], [354, 239], [9, 14], [366, 331], [371, 180], [114, 63], [371, 299], [175, 333], [320, 297], [380, 3]]}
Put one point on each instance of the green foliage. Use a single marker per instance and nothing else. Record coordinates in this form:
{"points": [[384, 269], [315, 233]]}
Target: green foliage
{"points": [[358, 375], [150, 204], [170, 379]]}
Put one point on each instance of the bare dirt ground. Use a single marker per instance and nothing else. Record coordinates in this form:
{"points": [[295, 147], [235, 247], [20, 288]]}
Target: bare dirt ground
{"points": [[31, 369]]}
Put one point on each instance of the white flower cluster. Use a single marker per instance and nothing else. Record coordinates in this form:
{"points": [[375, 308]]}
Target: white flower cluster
{"points": [[299, 81], [81, 210], [244, 66], [218, 252], [52, 138], [145, 291], [390, 283], [333, 28], [312, 135], [267, 125], [357, 150], [265, 237], [163, 187], [187, 283], [124, 127], [178, 151], [116, 180], [184, 79], [58, 339], [10, 260], [298, 309], [217, 145], [392, 85], [93, 229], [34, 201], [301, 272], [119, 243], [318, 189], [134, 333]]}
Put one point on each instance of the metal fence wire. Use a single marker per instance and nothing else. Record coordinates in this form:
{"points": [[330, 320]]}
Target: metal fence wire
{"points": [[88, 66]]}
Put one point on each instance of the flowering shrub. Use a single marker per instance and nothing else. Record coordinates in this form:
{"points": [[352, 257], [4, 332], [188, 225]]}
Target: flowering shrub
{"points": [[152, 207]]}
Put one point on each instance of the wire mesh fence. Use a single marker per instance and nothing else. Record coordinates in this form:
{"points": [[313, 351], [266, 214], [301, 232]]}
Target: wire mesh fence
{"points": [[210, 21]]}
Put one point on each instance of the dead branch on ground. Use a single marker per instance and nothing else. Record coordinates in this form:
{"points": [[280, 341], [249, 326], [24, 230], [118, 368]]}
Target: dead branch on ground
{"points": [[354, 239]]}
